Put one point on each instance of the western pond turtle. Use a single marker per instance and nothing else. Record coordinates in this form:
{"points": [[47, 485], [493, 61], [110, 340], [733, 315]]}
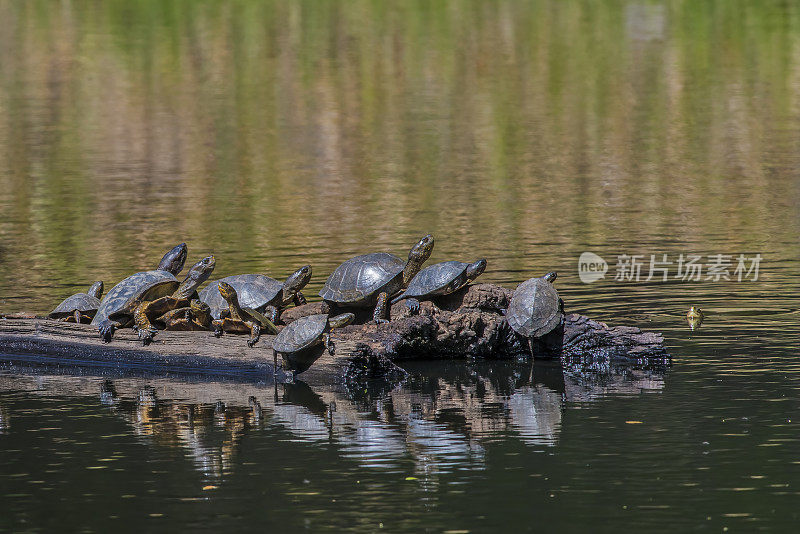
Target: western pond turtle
{"points": [[535, 308], [303, 341], [372, 279], [259, 292], [80, 307], [440, 279], [239, 320]]}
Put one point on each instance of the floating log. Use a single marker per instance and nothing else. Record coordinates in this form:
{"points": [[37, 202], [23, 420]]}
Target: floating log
{"points": [[467, 324]]}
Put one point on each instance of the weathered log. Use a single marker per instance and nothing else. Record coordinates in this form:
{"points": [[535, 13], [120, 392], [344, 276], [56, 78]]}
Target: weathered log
{"points": [[471, 324], [467, 324], [55, 342]]}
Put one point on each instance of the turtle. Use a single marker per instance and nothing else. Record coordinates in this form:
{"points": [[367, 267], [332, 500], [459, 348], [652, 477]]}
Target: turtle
{"points": [[241, 320], [440, 279], [259, 292], [147, 295], [303, 341], [695, 317], [195, 317], [80, 307], [372, 279], [169, 266], [535, 308]]}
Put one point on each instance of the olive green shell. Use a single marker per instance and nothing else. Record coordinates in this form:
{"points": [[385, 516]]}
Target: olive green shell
{"points": [[255, 291], [81, 302], [148, 284], [301, 334], [534, 310], [359, 280]]}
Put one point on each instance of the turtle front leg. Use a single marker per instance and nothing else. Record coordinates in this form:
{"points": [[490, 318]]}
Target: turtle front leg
{"points": [[380, 308], [299, 299], [216, 324], [78, 318], [329, 344], [255, 333], [144, 329], [107, 329]]}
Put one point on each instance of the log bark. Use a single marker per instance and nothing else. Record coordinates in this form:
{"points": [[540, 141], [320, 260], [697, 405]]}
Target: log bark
{"points": [[467, 324], [471, 324]]}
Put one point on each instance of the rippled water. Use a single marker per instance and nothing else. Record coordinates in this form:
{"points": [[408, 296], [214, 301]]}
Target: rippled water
{"points": [[275, 134]]}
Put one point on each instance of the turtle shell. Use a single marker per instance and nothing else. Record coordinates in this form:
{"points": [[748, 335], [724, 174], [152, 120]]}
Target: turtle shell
{"points": [[435, 279], [300, 334], [359, 280], [534, 310], [150, 284], [255, 291], [81, 302]]}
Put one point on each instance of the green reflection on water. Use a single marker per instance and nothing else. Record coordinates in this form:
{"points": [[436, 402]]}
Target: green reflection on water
{"points": [[263, 131]]}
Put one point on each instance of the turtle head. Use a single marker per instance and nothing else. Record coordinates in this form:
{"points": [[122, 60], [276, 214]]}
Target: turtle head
{"points": [[341, 320], [297, 280], [418, 254], [173, 260], [228, 293], [198, 274], [551, 276], [96, 290], [474, 270]]}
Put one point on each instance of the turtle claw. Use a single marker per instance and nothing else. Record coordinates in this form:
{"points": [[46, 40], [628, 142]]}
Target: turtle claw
{"points": [[413, 306], [146, 335], [250, 343], [106, 329], [381, 321]]}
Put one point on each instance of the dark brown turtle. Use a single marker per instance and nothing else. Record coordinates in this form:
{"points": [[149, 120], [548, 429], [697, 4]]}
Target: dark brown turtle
{"points": [[196, 317], [259, 292], [303, 341], [151, 294], [238, 320], [80, 307], [170, 265], [440, 279], [372, 279], [535, 308]]}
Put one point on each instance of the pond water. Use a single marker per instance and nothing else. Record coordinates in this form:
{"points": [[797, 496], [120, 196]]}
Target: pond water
{"points": [[275, 134]]}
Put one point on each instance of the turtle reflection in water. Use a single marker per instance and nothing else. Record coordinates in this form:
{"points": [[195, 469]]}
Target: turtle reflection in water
{"points": [[372, 279], [80, 307], [303, 341], [239, 320], [535, 309]]}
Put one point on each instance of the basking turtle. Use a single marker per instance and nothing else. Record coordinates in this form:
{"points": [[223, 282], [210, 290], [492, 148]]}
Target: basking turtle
{"points": [[170, 265], [80, 307], [147, 295], [535, 308], [259, 292], [303, 341], [240, 320], [440, 279], [196, 317], [372, 279]]}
